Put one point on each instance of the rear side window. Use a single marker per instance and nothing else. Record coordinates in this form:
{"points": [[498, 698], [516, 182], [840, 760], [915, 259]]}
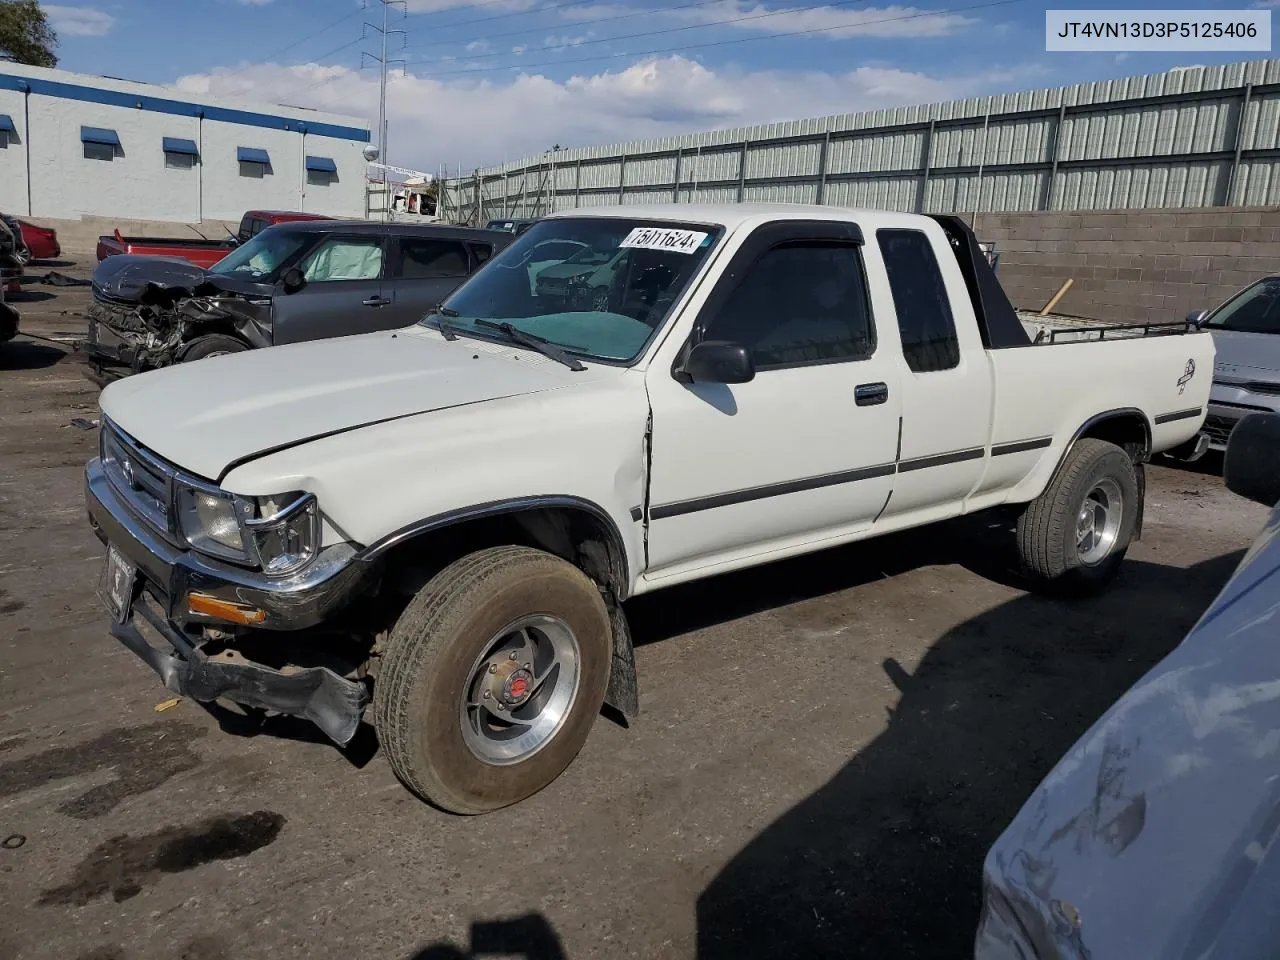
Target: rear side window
{"points": [[345, 258], [426, 259], [925, 321], [801, 302], [482, 252]]}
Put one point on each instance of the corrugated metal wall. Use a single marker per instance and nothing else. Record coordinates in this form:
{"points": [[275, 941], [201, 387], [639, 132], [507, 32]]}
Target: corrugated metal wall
{"points": [[1201, 137]]}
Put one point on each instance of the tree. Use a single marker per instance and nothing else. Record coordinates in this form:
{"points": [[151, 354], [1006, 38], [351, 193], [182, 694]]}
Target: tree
{"points": [[25, 34]]}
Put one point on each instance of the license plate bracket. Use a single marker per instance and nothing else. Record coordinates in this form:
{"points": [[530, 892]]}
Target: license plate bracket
{"points": [[119, 577]]}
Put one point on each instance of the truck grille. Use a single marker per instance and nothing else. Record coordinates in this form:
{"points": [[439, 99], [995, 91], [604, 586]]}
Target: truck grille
{"points": [[142, 480], [1218, 429]]}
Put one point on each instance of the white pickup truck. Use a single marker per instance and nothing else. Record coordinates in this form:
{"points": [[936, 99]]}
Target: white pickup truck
{"points": [[446, 520]]}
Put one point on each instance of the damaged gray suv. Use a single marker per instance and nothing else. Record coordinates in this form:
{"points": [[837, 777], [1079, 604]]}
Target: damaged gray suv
{"points": [[292, 282]]}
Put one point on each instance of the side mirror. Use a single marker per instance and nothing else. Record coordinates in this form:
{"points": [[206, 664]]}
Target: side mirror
{"points": [[1197, 317], [1252, 463], [717, 361], [293, 280]]}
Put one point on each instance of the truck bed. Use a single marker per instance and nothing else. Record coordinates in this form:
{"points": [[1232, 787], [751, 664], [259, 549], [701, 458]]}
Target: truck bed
{"points": [[1051, 328]]}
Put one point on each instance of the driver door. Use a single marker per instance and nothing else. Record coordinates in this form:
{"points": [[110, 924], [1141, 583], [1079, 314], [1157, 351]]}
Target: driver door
{"points": [[804, 451], [343, 293]]}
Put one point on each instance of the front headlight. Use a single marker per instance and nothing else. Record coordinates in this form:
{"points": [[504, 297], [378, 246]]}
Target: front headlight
{"points": [[286, 535], [210, 521], [280, 533]]}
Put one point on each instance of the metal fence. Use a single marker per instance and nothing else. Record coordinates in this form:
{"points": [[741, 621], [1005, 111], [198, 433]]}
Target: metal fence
{"points": [[1192, 137]]}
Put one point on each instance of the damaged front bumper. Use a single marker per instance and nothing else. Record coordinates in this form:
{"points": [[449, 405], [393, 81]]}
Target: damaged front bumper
{"points": [[162, 579]]}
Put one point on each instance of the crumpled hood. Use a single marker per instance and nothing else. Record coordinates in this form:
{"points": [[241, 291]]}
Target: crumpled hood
{"points": [[208, 415], [138, 278], [126, 277], [1246, 356]]}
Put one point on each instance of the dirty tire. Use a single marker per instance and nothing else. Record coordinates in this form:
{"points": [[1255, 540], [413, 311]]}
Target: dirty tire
{"points": [[429, 660], [212, 345], [1046, 531]]}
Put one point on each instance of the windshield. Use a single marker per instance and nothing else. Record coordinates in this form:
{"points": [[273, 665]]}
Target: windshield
{"points": [[260, 258], [1255, 309], [594, 286]]}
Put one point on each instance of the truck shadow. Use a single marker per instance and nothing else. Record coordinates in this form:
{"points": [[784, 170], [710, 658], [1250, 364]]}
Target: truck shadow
{"points": [[22, 354], [885, 859], [530, 937], [981, 544]]}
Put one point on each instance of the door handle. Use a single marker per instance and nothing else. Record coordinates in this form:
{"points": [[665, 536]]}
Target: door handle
{"points": [[869, 394], [376, 302]]}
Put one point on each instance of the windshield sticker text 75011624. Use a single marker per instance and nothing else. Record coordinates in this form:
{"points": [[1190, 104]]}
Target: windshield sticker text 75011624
{"points": [[664, 238]]}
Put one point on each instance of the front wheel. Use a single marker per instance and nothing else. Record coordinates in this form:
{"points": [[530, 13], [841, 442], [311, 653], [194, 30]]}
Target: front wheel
{"points": [[492, 678], [1073, 537], [212, 345]]}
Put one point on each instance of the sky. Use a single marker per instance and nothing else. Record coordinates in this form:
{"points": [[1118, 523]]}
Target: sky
{"points": [[478, 82]]}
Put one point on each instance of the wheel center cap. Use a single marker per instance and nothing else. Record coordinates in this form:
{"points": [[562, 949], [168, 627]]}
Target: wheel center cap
{"points": [[516, 688]]}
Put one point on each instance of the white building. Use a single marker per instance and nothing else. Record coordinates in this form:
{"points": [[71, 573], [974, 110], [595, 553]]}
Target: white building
{"points": [[73, 145]]}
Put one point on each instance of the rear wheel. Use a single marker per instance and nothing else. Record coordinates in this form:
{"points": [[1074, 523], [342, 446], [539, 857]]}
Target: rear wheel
{"points": [[1073, 537], [212, 345], [492, 678]]}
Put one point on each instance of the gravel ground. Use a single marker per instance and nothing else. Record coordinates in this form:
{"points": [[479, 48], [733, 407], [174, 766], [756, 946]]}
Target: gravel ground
{"points": [[828, 747]]}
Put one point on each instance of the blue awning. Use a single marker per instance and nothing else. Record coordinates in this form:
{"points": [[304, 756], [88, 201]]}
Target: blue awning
{"points": [[178, 145], [99, 135], [322, 165], [6, 123], [252, 155]]}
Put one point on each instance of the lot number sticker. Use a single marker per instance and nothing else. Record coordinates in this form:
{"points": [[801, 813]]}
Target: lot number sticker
{"points": [[655, 238]]}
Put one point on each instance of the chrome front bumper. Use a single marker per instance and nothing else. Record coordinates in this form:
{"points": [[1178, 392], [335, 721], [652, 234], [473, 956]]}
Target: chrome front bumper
{"points": [[168, 575]]}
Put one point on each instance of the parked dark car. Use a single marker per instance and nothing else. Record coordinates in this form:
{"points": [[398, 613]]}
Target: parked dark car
{"points": [[515, 226], [1154, 837], [292, 282], [10, 260]]}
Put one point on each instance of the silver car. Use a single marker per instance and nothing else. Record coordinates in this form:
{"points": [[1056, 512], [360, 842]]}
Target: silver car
{"points": [[1246, 373]]}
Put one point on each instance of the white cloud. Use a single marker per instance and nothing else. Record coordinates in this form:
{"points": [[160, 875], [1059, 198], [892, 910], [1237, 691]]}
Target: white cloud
{"points": [[435, 6], [834, 22], [519, 49], [829, 21], [79, 21], [527, 113], [560, 43], [478, 46]]}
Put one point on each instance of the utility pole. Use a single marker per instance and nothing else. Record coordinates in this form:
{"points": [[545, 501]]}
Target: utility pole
{"points": [[384, 32]]}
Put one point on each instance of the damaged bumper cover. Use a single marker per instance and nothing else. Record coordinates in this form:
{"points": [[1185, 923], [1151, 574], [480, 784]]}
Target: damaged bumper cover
{"points": [[167, 576], [332, 703]]}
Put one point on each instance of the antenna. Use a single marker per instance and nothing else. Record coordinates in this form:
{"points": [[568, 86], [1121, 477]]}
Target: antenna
{"points": [[384, 32]]}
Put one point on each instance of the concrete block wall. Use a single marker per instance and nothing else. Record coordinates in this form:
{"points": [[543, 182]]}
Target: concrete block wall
{"points": [[1136, 265]]}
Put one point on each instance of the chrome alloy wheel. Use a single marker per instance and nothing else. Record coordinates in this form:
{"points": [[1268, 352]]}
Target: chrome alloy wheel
{"points": [[1098, 523], [520, 690]]}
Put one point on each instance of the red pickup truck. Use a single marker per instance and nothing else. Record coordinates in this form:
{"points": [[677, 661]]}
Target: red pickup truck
{"points": [[202, 253]]}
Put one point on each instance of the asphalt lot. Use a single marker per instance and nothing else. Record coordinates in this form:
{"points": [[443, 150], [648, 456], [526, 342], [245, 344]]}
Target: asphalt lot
{"points": [[828, 747]]}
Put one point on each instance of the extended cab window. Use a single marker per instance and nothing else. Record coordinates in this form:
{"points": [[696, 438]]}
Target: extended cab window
{"points": [[920, 297], [426, 259], [801, 302], [345, 258]]}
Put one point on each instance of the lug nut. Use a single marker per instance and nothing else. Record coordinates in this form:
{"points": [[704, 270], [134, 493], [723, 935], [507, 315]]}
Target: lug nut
{"points": [[486, 694], [501, 705], [513, 654], [526, 666], [493, 668]]}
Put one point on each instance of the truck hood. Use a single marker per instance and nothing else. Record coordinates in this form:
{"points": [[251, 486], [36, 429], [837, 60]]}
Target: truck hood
{"points": [[1246, 356], [209, 415], [136, 278]]}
